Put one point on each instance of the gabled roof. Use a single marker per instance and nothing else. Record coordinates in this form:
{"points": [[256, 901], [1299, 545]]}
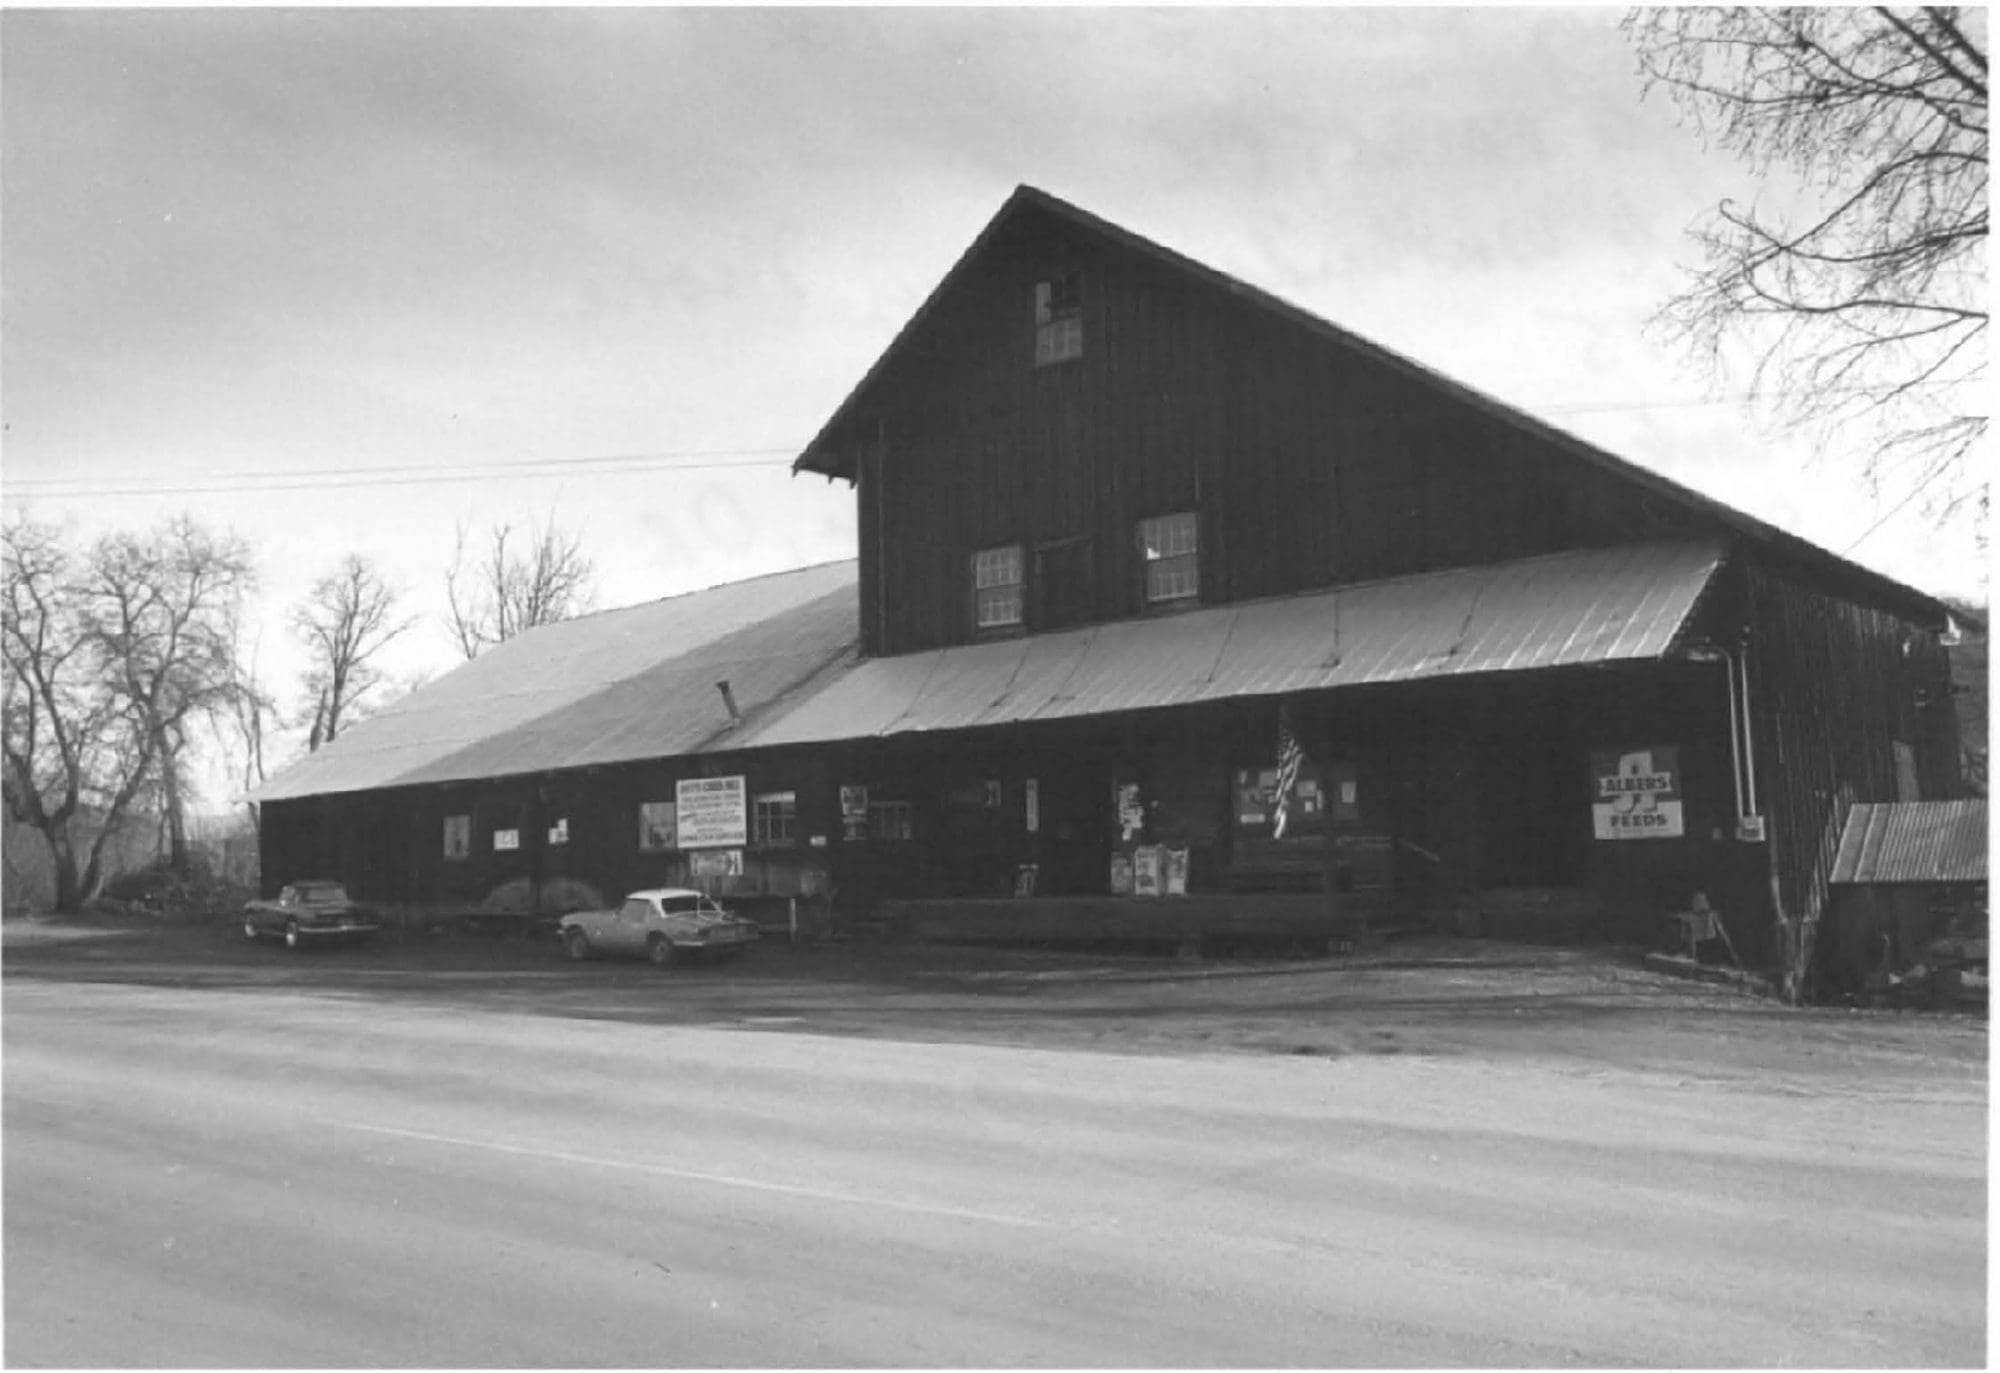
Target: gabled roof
{"points": [[1025, 199], [617, 686], [1605, 605], [1913, 841]]}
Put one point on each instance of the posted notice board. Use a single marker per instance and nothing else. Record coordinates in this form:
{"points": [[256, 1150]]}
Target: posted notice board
{"points": [[711, 813]]}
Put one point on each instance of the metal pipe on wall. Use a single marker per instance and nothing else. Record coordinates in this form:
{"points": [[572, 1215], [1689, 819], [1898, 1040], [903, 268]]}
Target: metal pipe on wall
{"points": [[1749, 735]]}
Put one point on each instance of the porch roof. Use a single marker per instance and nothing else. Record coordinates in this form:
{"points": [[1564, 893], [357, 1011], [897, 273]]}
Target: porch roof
{"points": [[1602, 605], [1913, 841]]}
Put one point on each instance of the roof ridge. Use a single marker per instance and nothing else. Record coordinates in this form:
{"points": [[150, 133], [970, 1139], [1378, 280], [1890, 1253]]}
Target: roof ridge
{"points": [[1506, 411], [691, 591]]}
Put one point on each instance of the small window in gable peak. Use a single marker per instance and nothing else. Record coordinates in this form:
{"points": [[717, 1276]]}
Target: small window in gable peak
{"points": [[1058, 318]]}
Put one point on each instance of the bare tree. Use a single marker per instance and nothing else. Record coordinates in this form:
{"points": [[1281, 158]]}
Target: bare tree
{"points": [[251, 709], [347, 618], [76, 754], [159, 609], [1869, 302], [517, 584]]}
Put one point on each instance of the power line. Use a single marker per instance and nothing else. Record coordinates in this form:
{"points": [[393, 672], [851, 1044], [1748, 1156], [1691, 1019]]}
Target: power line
{"points": [[411, 474], [402, 474], [1894, 510]]}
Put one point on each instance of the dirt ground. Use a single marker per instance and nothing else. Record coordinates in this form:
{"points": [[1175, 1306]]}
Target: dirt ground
{"points": [[1580, 1010]]}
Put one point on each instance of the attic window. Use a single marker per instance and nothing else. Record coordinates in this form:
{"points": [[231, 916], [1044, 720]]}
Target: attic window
{"points": [[1058, 318]]}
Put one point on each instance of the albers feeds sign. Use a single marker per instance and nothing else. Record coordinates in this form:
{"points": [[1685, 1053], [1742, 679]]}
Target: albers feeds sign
{"points": [[1638, 793]]}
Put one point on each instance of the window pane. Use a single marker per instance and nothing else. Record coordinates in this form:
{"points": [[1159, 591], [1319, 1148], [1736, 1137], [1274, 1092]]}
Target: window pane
{"points": [[997, 566], [996, 583], [1168, 535], [1171, 544], [1059, 297], [1000, 605], [1058, 318], [771, 817], [1059, 340]]}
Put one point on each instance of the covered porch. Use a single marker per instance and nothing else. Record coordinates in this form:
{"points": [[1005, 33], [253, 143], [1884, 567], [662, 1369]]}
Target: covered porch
{"points": [[1438, 750]]}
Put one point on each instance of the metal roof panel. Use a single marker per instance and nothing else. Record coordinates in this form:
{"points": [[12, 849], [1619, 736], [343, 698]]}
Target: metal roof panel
{"points": [[1913, 841], [1585, 606], [612, 686]]}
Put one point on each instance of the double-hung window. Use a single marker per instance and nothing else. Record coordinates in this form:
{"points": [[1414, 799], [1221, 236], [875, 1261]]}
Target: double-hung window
{"points": [[996, 587], [1058, 318], [774, 817], [1171, 548]]}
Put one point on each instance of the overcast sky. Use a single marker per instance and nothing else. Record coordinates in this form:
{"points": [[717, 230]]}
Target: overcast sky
{"points": [[343, 279]]}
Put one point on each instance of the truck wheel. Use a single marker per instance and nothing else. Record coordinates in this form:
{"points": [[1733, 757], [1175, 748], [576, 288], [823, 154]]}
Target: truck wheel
{"points": [[293, 939], [249, 930], [577, 944], [661, 950]]}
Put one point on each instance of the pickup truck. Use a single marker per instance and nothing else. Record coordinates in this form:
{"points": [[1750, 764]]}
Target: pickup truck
{"points": [[309, 912], [662, 923]]}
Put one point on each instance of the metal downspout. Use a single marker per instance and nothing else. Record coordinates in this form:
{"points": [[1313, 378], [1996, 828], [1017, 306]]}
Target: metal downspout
{"points": [[1735, 737]]}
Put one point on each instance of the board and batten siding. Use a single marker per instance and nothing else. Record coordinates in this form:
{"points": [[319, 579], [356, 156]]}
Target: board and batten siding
{"points": [[1835, 685], [1309, 462]]}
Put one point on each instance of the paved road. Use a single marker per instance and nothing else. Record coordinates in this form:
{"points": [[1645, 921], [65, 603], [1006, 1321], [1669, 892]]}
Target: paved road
{"points": [[281, 1178]]}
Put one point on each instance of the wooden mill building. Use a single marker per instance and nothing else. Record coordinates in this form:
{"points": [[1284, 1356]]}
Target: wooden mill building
{"points": [[1180, 612]]}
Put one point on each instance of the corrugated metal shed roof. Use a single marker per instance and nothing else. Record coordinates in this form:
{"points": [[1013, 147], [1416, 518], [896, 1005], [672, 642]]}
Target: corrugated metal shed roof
{"points": [[1913, 841], [640, 683], [1591, 606], [610, 687]]}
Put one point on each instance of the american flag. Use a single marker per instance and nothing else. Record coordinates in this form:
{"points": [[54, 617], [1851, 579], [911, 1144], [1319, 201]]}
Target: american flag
{"points": [[1290, 756]]}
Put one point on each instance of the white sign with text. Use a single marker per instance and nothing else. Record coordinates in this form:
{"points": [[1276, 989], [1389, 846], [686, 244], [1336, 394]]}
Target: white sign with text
{"points": [[711, 812]]}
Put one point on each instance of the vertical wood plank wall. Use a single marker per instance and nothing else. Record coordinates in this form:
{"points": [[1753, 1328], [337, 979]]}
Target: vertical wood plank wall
{"points": [[1834, 685], [1311, 463]]}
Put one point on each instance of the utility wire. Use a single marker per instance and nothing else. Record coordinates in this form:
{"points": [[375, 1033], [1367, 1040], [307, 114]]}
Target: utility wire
{"points": [[710, 459], [401, 474], [1894, 510]]}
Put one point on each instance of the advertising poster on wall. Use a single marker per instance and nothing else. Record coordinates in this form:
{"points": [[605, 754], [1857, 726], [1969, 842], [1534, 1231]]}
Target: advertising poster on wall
{"points": [[1638, 793], [853, 812], [1146, 870], [711, 812], [716, 863]]}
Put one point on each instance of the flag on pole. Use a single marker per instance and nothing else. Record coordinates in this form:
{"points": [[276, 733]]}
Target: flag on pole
{"points": [[1290, 756]]}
